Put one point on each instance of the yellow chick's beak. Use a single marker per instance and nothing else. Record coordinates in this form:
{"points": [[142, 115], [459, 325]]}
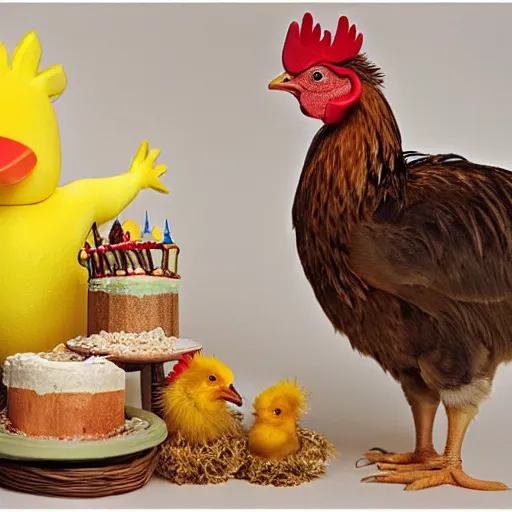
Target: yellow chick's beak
{"points": [[284, 83], [230, 395]]}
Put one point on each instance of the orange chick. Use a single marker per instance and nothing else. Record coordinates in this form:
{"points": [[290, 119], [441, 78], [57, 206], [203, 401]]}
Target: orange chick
{"points": [[194, 399], [277, 412]]}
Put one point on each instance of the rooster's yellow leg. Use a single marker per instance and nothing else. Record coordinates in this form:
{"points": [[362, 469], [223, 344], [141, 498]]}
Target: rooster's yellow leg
{"points": [[444, 469], [424, 413]]}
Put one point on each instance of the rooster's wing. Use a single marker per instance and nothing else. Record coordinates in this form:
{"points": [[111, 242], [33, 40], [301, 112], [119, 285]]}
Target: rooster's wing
{"points": [[452, 242]]}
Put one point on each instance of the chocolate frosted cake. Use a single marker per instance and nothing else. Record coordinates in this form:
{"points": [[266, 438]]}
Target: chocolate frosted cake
{"points": [[133, 285]]}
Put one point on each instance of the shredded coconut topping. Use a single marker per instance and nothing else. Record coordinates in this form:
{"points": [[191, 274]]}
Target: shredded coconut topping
{"points": [[62, 354], [123, 343]]}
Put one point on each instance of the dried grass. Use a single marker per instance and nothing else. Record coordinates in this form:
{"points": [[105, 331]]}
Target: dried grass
{"points": [[308, 464], [229, 458], [211, 463]]}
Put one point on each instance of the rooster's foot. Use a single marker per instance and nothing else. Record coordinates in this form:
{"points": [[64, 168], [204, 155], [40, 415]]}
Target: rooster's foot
{"points": [[451, 474], [425, 463], [380, 456]]}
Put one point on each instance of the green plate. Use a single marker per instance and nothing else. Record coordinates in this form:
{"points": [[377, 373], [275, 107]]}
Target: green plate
{"points": [[24, 448]]}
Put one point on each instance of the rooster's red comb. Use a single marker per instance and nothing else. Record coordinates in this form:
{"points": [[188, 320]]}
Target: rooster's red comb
{"points": [[180, 367], [305, 47]]}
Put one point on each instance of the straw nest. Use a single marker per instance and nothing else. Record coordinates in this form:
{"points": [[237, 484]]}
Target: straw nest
{"points": [[309, 463], [212, 463]]}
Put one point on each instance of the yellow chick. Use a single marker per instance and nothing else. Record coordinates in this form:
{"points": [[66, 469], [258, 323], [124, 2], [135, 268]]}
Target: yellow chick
{"points": [[277, 412], [193, 399], [43, 226]]}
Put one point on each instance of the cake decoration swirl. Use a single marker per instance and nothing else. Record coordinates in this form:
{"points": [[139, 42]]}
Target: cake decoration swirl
{"points": [[119, 255]]}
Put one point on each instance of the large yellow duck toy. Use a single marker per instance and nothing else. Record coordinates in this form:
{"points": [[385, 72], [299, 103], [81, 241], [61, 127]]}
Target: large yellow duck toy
{"points": [[43, 289]]}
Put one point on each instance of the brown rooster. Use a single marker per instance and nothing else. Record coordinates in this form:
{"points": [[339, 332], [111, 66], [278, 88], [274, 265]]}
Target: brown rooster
{"points": [[409, 255]]}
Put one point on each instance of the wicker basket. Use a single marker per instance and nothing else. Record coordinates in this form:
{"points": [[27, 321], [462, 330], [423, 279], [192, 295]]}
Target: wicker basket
{"points": [[80, 479]]}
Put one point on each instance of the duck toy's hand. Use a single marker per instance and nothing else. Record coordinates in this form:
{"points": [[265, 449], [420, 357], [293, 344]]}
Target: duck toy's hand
{"points": [[143, 166], [99, 200]]}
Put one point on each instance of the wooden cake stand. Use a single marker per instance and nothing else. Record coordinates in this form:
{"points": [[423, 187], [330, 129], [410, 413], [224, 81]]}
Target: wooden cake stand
{"points": [[151, 368]]}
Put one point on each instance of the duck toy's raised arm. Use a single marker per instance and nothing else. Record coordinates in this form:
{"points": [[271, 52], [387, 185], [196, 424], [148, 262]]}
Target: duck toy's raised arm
{"points": [[43, 226], [105, 198]]}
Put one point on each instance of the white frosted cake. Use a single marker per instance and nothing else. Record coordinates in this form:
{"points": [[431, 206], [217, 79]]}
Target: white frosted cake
{"points": [[64, 399]]}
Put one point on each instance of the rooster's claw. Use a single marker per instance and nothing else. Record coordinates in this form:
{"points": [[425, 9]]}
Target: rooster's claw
{"points": [[363, 462]]}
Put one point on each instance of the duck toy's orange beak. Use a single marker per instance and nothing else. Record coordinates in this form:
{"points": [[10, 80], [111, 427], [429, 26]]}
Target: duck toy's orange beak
{"points": [[17, 161]]}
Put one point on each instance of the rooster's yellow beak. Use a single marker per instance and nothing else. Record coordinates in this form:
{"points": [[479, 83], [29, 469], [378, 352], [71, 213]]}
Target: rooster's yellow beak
{"points": [[283, 83], [230, 395]]}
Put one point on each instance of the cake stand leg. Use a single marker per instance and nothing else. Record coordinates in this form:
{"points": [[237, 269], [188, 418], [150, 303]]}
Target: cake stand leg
{"points": [[157, 379], [145, 387]]}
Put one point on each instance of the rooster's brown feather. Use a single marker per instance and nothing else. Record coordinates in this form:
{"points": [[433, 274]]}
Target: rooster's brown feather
{"points": [[409, 255]]}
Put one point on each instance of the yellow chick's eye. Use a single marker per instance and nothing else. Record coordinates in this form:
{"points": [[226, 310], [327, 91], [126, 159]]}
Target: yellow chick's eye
{"points": [[212, 378], [277, 412]]}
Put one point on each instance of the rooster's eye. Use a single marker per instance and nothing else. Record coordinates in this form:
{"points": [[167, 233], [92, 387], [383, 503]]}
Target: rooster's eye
{"points": [[277, 412], [317, 76], [212, 378]]}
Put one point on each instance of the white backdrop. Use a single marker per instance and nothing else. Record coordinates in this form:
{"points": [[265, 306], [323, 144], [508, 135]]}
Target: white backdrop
{"points": [[193, 80]]}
